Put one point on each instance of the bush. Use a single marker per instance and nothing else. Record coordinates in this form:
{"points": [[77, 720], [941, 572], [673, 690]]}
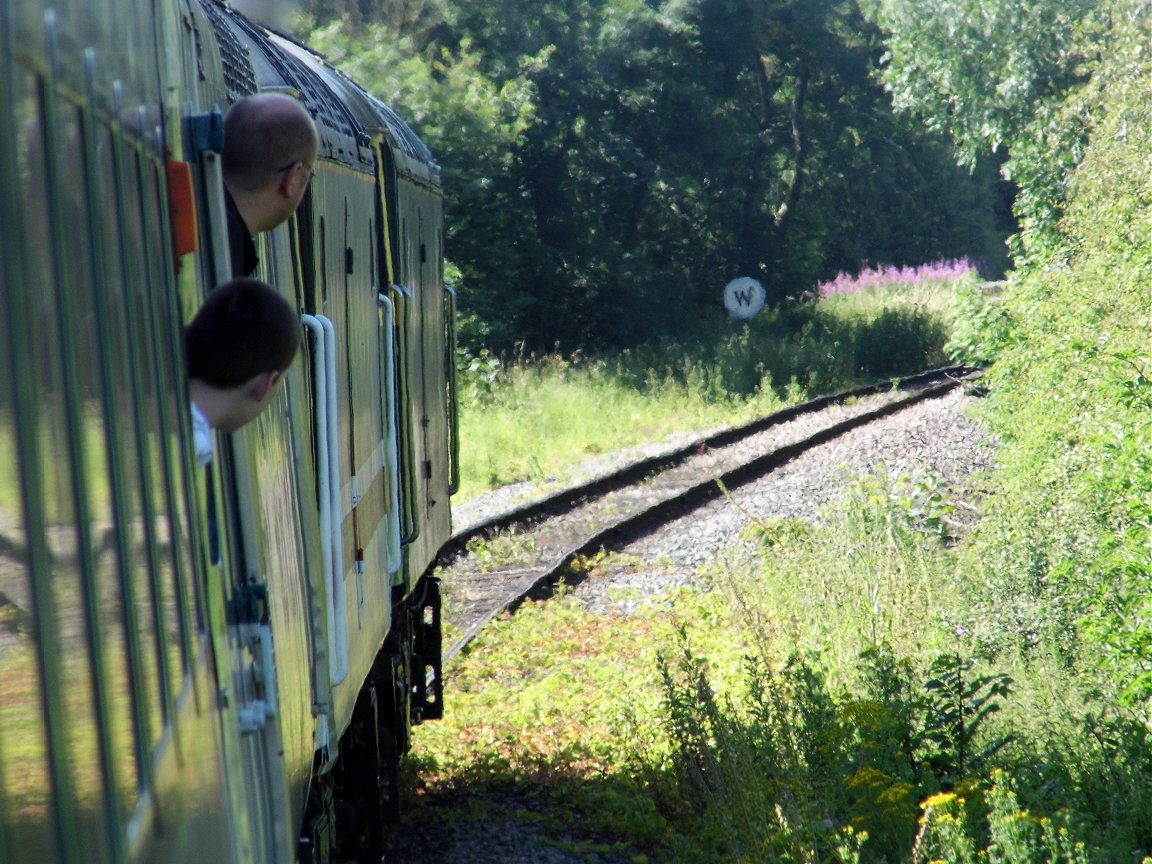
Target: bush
{"points": [[1064, 545]]}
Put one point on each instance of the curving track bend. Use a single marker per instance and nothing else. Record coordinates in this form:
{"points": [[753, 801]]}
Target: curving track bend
{"points": [[535, 545]]}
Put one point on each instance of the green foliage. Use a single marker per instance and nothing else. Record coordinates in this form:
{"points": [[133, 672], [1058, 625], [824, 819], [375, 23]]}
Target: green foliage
{"points": [[996, 76], [1065, 546], [827, 345], [501, 550], [950, 827], [610, 164], [794, 773], [1097, 763], [478, 378], [866, 756], [758, 770], [870, 576], [981, 325], [982, 70], [958, 706]]}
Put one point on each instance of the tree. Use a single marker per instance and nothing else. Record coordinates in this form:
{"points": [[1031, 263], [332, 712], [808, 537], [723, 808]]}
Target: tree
{"points": [[995, 75], [610, 164]]}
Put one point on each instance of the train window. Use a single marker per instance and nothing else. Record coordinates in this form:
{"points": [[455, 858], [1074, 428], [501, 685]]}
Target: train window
{"points": [[165, 394], [128, 508], [86, 700], [135, 356], [26, 805], [97, 549]]}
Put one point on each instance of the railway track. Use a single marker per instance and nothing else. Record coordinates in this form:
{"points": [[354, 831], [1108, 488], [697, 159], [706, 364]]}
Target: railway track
{"points": [[493, 566]]}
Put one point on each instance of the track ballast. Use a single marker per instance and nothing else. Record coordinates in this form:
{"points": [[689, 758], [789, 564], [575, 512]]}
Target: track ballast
{"points": [[494, 565]]}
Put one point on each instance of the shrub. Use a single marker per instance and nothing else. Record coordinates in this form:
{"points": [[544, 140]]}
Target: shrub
{"points": [[1064, 545]]}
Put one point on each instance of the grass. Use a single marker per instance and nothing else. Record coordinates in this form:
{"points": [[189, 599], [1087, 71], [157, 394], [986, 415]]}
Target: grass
{"points": [[562, 703], [866, 689], [537, 418], [777, 715]]}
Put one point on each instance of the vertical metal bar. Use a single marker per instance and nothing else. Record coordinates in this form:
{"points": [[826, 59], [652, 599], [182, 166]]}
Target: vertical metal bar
{"points": [[323, 479], [58, 795], [453, 407], [384, 173], [114, 450], [143, 330], [330, 357], [67, 822], [392, 444], [408, 468], [212, 171]]}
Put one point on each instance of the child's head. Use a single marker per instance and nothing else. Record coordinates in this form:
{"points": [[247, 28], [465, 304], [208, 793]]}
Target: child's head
{"points": [[243, 329], [237, 347]]}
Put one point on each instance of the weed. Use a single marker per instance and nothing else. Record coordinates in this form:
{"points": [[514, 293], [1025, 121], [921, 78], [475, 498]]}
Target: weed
{"points": [[996, 829], [501, 549], [959, 704]]}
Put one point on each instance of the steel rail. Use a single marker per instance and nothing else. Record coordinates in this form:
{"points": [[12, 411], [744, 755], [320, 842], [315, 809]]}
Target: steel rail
{"points": [[932, 384], [565, 499]]}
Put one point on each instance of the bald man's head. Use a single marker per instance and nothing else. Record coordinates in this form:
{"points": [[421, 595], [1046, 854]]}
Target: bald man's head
{"points": [[265, 135]]}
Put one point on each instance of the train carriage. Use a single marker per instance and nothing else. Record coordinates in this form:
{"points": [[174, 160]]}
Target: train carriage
{"points": [[208, 665]]}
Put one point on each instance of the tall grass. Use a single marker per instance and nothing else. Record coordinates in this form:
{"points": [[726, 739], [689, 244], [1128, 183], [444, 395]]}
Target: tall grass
{"points": [[824, 697], [535, 419], [875, 724]]}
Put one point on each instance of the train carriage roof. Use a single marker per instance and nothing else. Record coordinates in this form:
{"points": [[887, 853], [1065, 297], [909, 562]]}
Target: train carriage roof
{"points": [[373, 117], [274, 70], [348, 118], [235, 64]]}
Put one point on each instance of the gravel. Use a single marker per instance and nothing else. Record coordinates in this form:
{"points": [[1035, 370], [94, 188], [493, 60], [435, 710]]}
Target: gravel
{"points": [[933, 440], [495, 828]]}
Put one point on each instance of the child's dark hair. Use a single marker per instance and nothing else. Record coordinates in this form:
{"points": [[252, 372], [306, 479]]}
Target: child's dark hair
{"points": [[243, 329]]}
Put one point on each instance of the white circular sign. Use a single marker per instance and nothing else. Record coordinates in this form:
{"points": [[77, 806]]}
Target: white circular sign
{"points": [[743, 297]]}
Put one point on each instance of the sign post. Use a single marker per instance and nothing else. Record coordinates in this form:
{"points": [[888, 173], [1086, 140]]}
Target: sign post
{"points": [[743, 297]]}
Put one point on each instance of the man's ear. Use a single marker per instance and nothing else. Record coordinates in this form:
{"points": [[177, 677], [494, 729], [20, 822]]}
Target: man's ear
{"points": [[286, 182], [290, 181]]}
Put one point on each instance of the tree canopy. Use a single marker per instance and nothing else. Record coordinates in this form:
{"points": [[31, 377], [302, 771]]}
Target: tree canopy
{"points": [[610, 165], [996, 76]]}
